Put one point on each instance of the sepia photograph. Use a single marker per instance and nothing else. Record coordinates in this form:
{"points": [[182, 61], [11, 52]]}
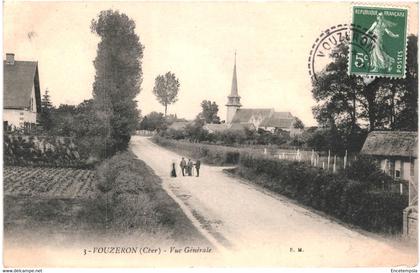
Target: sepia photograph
{"points": [[210, 134]]}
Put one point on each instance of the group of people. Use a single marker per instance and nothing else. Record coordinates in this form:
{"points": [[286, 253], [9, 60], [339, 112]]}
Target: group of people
{"points": [[187, 168]]}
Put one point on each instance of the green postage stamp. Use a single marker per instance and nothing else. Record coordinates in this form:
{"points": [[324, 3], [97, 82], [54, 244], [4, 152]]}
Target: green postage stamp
{"points": [[380, 50]]}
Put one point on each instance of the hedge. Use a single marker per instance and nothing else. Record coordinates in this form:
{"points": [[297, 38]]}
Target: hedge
{"points": [[348, 200]]}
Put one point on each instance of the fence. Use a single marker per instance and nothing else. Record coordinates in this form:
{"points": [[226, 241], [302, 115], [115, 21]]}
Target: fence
{"points": [[145, 133], [328, 162]]}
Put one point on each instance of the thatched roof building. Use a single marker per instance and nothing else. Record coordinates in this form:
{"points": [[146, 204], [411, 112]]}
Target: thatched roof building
{"points": [[391, 144]]}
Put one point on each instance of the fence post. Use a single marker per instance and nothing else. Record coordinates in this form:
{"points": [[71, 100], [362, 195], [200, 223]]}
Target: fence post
{"points": [[328, 161], [312, 157], [334, 163], [323, 165], [345, 160], [265, 151]]}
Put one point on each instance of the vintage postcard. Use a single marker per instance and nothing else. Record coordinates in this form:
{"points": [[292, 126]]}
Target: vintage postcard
{"points": [[210, 134]]}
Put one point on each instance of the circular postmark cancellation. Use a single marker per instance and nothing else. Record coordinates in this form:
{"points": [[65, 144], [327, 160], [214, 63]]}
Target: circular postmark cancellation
{"points": [[323, 50]]}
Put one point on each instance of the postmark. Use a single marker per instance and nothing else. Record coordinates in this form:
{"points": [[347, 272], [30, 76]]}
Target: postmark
{"points": [[386, 57], [324, 48]]}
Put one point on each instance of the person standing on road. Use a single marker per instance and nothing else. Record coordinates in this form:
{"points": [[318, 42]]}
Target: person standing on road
{"points": [[173, 172], [197, 167], [190, 167], [183, 166]]}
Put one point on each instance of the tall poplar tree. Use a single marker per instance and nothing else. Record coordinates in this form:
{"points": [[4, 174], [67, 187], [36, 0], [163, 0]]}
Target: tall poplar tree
{"points": [[118, 78]]}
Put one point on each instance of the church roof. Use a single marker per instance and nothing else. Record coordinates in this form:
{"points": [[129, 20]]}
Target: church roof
{"points": [[279, 120], [19, 78], [245, 114]]}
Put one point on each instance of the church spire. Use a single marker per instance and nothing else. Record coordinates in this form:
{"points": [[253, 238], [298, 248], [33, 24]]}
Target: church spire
{"points": [[234, 89], [233, 103]]}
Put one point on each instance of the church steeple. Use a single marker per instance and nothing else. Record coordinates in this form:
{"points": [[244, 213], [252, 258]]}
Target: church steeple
{"points": [[234, 99], [234, 89]]}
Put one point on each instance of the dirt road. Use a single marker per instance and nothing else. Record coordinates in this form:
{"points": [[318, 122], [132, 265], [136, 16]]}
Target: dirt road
{"points": [[254, 228]]}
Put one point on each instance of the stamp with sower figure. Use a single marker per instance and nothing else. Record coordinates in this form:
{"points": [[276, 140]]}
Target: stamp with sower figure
{"points": [[386, 56]]}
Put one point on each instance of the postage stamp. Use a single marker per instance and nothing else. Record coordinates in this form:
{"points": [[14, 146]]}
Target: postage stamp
{"points": [[386, 56]]}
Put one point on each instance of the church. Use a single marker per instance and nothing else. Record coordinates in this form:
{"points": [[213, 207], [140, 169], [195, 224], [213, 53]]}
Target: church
{"points": [[252, 118]]}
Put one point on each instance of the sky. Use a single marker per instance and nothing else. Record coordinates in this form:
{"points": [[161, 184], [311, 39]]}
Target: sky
{"points": [[195, 40]]}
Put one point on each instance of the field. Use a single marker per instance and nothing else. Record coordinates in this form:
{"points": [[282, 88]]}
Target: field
{"points": [[122, 201], [48, 182]]}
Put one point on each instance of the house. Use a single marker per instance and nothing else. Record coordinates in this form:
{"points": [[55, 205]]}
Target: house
{"points": [[213, 128], [264, 118], [242, 126], [22, 96], [396, 152]]}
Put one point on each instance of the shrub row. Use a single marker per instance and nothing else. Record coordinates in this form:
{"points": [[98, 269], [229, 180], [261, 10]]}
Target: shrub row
{"points": [[348, 200], [22, 150]]}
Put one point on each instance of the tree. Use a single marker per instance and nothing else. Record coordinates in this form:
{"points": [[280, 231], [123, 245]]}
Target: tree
{"points": [[45, 117], [118, 78], [153, 121], [209, 112], [298, 124], [166, 89], [406, 115], [195, 131]]}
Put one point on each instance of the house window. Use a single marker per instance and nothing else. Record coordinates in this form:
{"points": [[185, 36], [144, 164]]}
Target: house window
{"points": [[21, 113], [397, 174]]}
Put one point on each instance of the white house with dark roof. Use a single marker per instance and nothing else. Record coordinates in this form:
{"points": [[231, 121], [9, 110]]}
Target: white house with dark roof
{"points": [[21, 93], [265, 118]]}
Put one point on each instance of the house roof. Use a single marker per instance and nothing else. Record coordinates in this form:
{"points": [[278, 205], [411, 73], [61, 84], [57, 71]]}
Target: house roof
{"points": [[241, 126], [391, 143], [279, 120], [179, 125], [19, 78], [215, 127], [245, 114]]}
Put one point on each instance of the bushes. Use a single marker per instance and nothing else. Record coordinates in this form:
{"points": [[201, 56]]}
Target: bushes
{"points": [[336, 195], [366, 169]]}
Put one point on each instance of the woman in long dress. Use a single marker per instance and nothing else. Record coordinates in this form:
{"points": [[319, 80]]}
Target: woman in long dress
{"points": [[379, 58], [173, 172]]}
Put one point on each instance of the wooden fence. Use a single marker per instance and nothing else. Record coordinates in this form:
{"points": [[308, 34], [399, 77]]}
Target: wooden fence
{"points": [[329, 162]]}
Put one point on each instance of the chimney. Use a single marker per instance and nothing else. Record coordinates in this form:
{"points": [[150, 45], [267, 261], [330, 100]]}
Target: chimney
{"points": [[10, 58]]}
